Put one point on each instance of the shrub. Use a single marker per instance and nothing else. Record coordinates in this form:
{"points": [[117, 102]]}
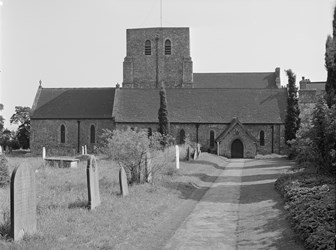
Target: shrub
{"points": [[4, 172], [310, 201]]}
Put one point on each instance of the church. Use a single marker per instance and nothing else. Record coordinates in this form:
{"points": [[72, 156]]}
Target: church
{"points": [[238, 115]]}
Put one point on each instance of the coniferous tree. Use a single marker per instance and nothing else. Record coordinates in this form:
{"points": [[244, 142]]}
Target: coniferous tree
{"points": [[330, 64], [163, 113], [292, 122]]}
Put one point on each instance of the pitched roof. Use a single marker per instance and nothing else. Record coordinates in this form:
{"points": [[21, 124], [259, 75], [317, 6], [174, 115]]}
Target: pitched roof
{"points": [[235, 122], [316, 85], [234, 80], [73, 103], [202, 105]]}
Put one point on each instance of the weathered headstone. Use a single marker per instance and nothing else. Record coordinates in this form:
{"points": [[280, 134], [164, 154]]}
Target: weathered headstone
{"points": [[85, 150], [123, 182], [43, 153], [217, 148], [0, 150], [177, 157], [195, 154], [23, 201], [148, 165], [198, 149], [93, 182], [82, 150]]}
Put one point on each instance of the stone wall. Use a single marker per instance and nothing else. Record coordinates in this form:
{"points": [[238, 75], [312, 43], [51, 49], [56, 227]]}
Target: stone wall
{"points": [[47, 133], [274, 143], [143, 71]]}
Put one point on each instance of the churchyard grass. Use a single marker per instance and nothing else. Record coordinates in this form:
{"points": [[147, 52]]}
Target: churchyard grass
{"points": [[64, 222]]}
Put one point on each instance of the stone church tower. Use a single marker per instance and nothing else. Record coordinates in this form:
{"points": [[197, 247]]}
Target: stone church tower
{"points": [[158, 55]]}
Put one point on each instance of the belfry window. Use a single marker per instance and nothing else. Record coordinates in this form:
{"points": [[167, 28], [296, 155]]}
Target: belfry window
{"points": [[92, 134], [262, 138], [167, 47], [148, 48], [212, 138], [62, 133]]}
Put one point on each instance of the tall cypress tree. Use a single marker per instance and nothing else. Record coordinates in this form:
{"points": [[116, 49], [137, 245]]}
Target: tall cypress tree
{"points": [[330, 64], [292, 122], [163, 113]]}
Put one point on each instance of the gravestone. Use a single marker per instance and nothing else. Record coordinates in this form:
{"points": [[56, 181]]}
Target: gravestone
{"points": [[93, 182], [85, 150], [177, 157], [23, 201], [148, 166], [0, 150], [123, 182], [188, 153], [43, 153], [82, 150], [195, 154]]}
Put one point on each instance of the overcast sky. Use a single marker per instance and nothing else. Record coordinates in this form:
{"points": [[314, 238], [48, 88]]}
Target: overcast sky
{"points": [[82, 43]]}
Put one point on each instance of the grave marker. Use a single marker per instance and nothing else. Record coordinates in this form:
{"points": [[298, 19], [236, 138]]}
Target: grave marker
{"points": [[93, 182], [23, 201], [43, 153], [0, 150], [82, 150], [123, 182], [177, 157], [85, 150]]}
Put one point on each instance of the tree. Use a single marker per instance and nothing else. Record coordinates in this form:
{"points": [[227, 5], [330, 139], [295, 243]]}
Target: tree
{"points": [[1, 119], [22, 117], [292, 121], [163, 113], [330, 64]]}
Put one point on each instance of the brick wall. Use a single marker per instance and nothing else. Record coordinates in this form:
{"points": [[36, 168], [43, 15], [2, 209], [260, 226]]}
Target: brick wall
{"points": [[47, 133]]}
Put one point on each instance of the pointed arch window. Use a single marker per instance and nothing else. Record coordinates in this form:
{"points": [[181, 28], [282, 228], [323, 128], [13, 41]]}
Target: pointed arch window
{"points": [[62, 133], [167, 47], [92, 134], [262, 138], [148, 48], [212, 138], [182, 136]]}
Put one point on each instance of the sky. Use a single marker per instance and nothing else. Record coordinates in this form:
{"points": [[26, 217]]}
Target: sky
{"points": [[82, 43]]}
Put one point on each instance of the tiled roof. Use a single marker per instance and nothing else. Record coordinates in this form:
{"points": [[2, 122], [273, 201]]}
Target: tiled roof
{"points": [[316, 85], [234, 80], [202, 105], [74, 103]]}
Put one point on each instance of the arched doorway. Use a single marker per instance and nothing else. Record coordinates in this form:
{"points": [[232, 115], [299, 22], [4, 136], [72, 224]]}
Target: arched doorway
{"points": [[237, 149]]}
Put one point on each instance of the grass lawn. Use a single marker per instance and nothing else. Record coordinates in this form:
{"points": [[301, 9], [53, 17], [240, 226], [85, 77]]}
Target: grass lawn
{"points": [[64, 222]]}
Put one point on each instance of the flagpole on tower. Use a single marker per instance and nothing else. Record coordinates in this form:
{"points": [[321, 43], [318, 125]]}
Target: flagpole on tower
{"points": [[161, 13]]}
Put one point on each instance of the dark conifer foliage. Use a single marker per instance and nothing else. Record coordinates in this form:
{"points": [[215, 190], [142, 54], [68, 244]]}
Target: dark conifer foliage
{"points": [[330, 64], [292, 122], [163, 113]]}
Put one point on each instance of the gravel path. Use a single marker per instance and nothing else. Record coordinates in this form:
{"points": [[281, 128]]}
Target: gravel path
{"points": [[241, 210]]}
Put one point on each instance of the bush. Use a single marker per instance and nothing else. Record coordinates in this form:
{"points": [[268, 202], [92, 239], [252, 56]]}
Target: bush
{"points": [[310, 201], [4, 172]]}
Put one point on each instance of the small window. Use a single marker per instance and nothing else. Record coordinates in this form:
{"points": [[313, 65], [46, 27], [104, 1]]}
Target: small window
{"points": [[150, 132], [182, 136], [92, 134], [262, 138], [148, 48], [212, 138], [62, 133], [167, 47]]}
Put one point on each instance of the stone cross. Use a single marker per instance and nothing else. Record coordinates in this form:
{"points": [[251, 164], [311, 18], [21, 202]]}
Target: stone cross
{"points": [[23, 201], [148, 165], [177, 157], [93, 182], [43, 153], [123, 182]]}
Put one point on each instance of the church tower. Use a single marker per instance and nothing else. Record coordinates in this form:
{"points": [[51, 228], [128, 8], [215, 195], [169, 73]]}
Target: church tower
{"points": [[158, 55]]}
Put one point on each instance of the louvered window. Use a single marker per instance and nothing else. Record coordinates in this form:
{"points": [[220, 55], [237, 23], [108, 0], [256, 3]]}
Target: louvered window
{"points": [[148, 48], [167, 47]]}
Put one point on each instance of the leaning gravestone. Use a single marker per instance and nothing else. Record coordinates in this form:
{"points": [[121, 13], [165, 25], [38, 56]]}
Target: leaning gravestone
{"points": [[93, 182], [43, 153], [123, 182], [23, 201]]}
